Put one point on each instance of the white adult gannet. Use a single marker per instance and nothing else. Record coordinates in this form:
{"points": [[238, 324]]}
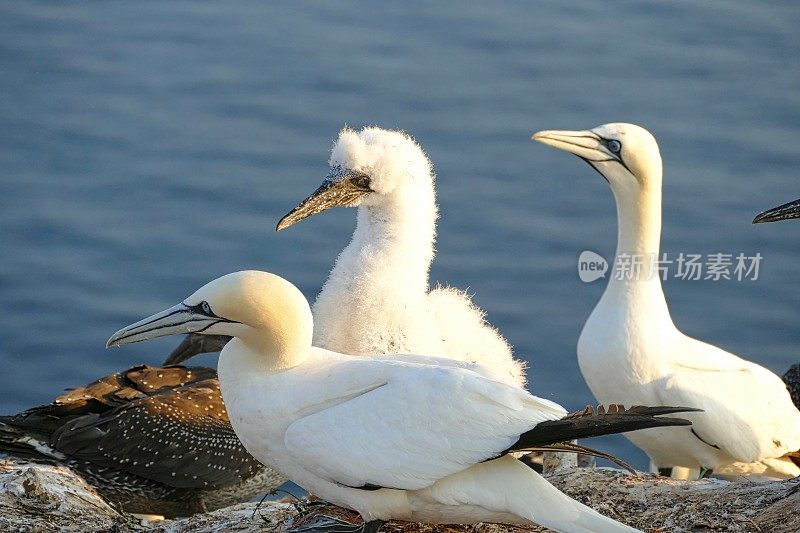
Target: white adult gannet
{"points": [[630, 350], [377, 298], [404, 437]]}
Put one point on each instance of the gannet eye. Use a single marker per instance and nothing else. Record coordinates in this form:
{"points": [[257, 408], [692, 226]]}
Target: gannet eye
{"points": [[361, 181], [614, 146], [205, 307]]}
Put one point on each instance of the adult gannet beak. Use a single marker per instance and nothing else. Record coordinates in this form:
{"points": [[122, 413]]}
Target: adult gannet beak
{"points": [[176, 320], [782, 212], [340, 188], [585, 144]]}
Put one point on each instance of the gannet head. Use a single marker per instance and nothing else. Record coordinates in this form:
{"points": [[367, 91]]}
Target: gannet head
{"points": [[782, 212], [260, 308], [367, 167], [626, 155]]}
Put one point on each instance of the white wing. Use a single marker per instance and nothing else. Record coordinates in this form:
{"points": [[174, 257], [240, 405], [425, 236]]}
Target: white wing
{"points": [[420, 424], [748, 411], [490, 372]]}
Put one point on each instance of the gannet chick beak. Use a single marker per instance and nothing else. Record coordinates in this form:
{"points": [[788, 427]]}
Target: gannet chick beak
{"points": [[177, 319], [782, 212], [585, 144], [341, 188]]}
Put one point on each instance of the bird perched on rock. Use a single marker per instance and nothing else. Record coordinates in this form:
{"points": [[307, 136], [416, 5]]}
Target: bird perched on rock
{"points": [[409, 437], [151, 440], [631, 352], [377, 298]]}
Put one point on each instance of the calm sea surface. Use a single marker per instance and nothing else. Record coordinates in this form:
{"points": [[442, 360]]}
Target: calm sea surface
{"points": [[148, 147]]}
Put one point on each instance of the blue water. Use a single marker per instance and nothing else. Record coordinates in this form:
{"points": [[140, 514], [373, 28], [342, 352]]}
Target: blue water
{"points": [[148, 147]]}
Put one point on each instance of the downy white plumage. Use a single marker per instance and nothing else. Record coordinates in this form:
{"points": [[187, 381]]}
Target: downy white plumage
{"points": [[630, 350], [393, 437], [377, 298]]}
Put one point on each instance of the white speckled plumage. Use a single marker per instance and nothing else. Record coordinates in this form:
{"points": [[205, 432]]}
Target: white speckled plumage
{"points": [[631, 352]]}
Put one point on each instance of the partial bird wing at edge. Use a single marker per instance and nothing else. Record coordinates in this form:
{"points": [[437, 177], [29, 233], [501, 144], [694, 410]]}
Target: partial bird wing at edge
{"points": [[747, 410]]}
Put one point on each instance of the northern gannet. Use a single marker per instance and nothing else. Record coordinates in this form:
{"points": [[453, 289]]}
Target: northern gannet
{"points": [[630, 350], [150, 440], [785, 212], [406, 437], [377, 298]]}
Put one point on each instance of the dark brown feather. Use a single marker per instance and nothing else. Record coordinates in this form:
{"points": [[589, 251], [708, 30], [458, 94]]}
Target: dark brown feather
{"points": [[150, 439]]}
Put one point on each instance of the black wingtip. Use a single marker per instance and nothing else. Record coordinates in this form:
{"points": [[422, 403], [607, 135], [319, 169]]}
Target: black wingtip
{"points": [[592, 422], [661, 410]]}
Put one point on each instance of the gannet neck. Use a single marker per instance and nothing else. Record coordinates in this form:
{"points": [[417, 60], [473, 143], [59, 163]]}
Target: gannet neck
{"points": [[267, 350], [639, 223], [638, 295], [635, 283], [394, 236]]}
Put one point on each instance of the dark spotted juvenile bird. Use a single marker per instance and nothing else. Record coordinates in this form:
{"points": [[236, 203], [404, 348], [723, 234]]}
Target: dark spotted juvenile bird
{"points": [[151, 440], [792, 380]]}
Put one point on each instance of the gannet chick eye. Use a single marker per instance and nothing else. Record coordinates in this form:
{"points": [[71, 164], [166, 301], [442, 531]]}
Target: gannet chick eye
{"points": [[360, 180], [614, 146]]}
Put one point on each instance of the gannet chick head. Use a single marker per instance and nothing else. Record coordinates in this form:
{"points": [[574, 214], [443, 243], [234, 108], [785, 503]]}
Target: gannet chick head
{"points": [[263, 310], [782, 212], [371, 167], [626, 155]]}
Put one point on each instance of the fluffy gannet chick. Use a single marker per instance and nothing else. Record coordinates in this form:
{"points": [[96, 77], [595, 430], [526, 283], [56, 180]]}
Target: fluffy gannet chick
{"points": [[404, 437], [377, 298], [630, 350]]}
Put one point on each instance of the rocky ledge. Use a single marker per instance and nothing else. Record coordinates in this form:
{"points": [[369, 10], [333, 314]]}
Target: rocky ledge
{"points": [[41, 498]]}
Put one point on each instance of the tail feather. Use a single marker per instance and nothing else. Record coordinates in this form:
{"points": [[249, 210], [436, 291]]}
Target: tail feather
{"points": [[510, 492], [18, 443], [570, 447], [594, 423]]}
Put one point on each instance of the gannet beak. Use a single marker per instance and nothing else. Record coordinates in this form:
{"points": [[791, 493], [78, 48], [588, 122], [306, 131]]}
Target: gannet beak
{"points": [[585, 144], [176, 320], [338, 189], [195, 344], [782, 212]]}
